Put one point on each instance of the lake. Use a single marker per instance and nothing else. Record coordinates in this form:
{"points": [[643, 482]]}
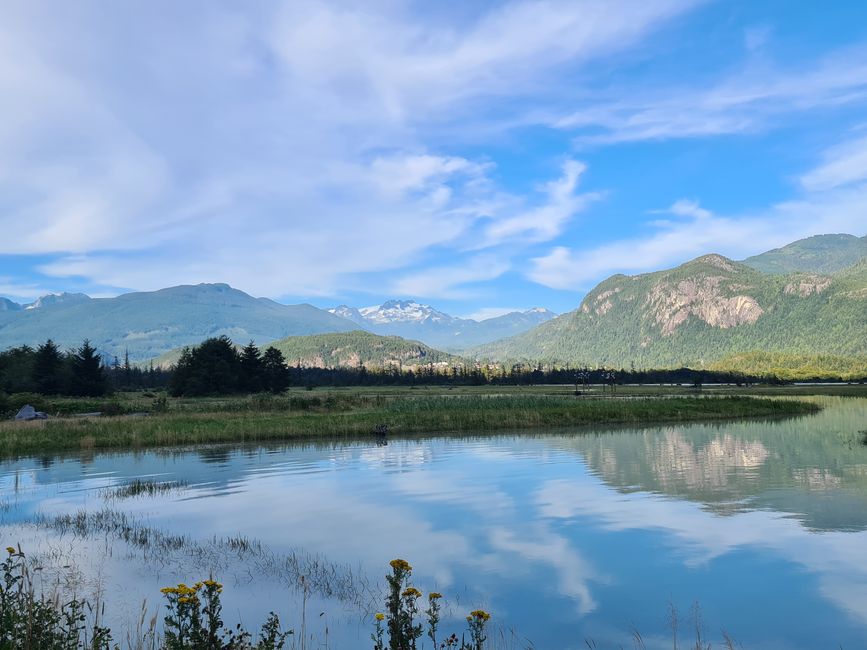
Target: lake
{"points": [[561, 535]]}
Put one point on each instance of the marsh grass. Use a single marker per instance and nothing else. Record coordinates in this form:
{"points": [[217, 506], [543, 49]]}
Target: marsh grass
{"points": [[299, 569], [348, 415], [142, 488]]}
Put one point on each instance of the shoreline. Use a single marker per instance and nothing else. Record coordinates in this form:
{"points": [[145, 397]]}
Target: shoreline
{"points": [[352, 419]]}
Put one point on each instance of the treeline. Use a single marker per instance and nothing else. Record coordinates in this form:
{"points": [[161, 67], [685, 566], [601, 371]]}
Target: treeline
{"points": [[515, 375], [48, 370], [216, 367]]}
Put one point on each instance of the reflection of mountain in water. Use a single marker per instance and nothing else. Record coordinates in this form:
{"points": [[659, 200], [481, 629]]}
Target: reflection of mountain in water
{"points": [[809, 467]]}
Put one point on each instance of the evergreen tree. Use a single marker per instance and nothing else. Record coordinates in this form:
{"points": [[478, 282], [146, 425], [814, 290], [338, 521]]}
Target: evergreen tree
{"points": [[251, 369], [127, 370], [182, 374], [212, 368], [275, 372], [87, 378], [16, 370], [47, 375]]}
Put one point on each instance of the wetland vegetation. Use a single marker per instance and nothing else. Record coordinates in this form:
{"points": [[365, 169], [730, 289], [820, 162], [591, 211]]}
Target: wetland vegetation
{"points": [[346, 414]]}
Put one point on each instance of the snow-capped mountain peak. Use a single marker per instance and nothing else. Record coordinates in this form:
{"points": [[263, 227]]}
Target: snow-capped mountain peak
{"points": [[403, 311], [52, 299], [540, 310]]}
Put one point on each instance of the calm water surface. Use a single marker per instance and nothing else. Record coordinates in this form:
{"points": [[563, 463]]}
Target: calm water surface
{"points": [[561, 535]]}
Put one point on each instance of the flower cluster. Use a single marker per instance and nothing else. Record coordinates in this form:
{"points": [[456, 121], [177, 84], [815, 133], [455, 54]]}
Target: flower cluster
{"points": [[402, 609], [479, 615]]}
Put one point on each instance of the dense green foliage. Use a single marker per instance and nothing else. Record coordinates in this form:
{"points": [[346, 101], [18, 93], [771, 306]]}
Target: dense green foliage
{"points": [[818, 254], [358, 348], [49, 371], [701, 312], [796, 367], [217, 368], [148, 324]]}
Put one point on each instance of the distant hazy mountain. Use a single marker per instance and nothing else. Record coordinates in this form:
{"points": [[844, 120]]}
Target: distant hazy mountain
{"points": [[357, 348], [412, 320], [151, 323], [709, 309], [819, 254], [8, 305]]}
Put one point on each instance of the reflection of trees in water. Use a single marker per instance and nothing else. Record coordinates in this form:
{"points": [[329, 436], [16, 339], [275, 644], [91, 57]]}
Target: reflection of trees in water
{"points": [[675, 460], [816, 478], [809, 467]]}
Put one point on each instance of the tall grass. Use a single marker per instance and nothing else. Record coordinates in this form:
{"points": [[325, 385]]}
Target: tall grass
{"points": [[349, 416]]}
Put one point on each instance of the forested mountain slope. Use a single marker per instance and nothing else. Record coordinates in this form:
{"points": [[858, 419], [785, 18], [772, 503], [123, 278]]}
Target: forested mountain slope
{"points": [[358, 348], [701, 312], [148, 324], [818, 254]]}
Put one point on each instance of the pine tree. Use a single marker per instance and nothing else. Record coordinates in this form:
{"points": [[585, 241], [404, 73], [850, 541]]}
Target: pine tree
{"points": [[251, 369], [88, 377], [48, 369], [275, 373]]}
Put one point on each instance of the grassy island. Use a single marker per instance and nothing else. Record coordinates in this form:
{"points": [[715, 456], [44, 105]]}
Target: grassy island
{"points": [[135, 423]]}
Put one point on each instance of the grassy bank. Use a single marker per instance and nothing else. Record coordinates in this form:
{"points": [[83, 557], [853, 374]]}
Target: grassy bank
{"points": [[348, 415]]}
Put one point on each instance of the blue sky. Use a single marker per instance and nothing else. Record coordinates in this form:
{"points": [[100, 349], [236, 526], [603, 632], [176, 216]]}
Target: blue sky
{"points": [[477, 156]]}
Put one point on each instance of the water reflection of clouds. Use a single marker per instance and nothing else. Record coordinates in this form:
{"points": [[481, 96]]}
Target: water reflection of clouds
{"points": [[839, 559], [524, 524], [540, 545]]}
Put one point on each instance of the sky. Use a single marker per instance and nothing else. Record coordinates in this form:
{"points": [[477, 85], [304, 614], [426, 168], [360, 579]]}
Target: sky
{"points": [[477, 156]]}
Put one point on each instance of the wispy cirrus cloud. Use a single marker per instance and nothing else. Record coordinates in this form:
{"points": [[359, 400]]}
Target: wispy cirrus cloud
{"points": [[747, 101], [287, 148], [451, 280], [699, 231], [843, 164]]}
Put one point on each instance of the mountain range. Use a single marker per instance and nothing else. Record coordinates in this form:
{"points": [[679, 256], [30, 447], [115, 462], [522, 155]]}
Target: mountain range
{"points": [[409, 319], [807, 298], [148, 325], [795, 308]]}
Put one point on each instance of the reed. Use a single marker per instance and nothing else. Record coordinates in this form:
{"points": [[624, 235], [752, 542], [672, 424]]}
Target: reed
{"points": [[352, 416]]}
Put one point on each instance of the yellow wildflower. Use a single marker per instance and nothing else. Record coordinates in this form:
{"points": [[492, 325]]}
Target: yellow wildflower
{"points": [[402, 565], [411, 592], [380, 616], [480, 614], [434, 595], [10, 550]]}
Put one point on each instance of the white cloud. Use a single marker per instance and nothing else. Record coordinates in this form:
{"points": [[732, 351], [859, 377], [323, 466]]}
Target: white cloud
{"points": [[21, 292], [546, 221], [747, 101], [382, 59], [285, 149], [688, 208], [844, 164], [672, 243], [449, 281]]}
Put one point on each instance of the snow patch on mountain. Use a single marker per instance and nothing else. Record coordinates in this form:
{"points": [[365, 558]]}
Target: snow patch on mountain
{"points": [[56, 299], [403, 311]]}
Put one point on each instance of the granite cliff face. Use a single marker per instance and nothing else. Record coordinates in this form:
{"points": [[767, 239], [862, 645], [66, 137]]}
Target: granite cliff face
{"points": [[700, 312]]}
